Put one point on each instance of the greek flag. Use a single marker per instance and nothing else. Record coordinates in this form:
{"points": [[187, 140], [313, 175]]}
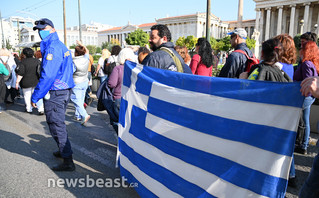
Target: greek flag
{"points": [[184, 135]]}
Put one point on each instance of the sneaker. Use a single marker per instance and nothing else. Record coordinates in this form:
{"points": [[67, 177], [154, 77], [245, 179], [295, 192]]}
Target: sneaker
{"points": [[85, 105], [28, 111], [41, 113], [57, 154], [86, 119], [76, 118], [300, 150]]}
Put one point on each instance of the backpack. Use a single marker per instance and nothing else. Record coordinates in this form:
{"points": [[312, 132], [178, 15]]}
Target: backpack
{"points": [[108, 68], [250, 60], [8, 77], [177, 62]]}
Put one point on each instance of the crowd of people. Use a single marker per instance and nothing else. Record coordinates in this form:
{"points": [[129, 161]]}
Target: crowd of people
{"points": [[49, 81]]}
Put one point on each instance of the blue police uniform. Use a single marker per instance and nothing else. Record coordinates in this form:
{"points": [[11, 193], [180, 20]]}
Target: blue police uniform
{"points": [[57, 79]]}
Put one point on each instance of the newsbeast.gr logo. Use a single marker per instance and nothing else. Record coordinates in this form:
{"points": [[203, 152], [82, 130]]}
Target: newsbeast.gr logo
{"points": [[88, 182]]}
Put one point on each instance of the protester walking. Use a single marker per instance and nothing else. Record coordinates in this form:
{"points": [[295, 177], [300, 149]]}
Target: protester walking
{"points": [[202, 62], [3, 72], [80, 76], [57, 79], [28, 78]]}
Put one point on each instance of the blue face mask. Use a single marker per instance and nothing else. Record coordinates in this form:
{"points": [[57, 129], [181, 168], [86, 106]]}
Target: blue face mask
{"points": [[44, 33]]}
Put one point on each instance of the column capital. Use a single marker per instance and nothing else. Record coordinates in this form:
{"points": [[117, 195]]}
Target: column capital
{"points": [[280, 7], [257, 9], [293, 5], [268, 8], [307, 4]]}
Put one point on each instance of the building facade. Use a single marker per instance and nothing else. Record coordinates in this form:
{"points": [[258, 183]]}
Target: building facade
{"points": [[121, 33], [11, 27], [195, 25], [294, 17]]}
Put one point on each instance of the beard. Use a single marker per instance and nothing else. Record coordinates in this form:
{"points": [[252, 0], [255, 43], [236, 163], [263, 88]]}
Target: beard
{"points": [[153, 47]]}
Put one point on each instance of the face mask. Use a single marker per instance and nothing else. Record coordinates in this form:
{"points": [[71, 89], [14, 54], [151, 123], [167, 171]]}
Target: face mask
{"points": [[44, 33]]}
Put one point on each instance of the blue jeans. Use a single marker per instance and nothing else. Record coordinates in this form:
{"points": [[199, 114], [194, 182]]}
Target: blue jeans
{"points": [[306, 114], [55, 109], [77, 97], [310, 188]]}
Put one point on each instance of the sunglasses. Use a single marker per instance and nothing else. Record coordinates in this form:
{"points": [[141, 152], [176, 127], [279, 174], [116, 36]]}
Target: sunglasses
{"points": [[39, 22]]}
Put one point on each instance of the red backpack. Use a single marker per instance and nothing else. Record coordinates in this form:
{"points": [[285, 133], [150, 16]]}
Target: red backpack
{"points": [[250, 60]]}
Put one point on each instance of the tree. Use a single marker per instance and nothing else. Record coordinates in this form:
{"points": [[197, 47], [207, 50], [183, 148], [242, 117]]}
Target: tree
{"points": [[190, 42], [180, 41], [297, 41], [115, 41], [98, 50], [250, 43], [138, 37], [72, 46], [213, 43], [106, 45], [224, 44], [8, 45], [91, 48]]}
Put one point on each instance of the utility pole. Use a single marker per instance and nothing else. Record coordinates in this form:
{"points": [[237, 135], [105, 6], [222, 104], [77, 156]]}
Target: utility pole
{"points": [[3, 45], [208, 21], [80, 28], [64, 23]]}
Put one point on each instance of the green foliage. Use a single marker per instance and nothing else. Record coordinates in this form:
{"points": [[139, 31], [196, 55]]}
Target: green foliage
{"points": [[8, 46], [72, 46], [106, 45], [98, 50], [138, 37], [96, 57], [115, 41], [251, 43], [224, 44], [180, 41], [297, 41], [189, 42], [91, 48], [213, 43]]}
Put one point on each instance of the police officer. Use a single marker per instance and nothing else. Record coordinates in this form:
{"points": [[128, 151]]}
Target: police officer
{"points": [[55, 86]]}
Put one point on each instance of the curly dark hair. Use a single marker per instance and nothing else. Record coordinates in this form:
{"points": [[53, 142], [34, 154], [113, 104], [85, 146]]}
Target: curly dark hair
{"points": [[205, 52], [162, 31], [28, 52], [309, 36], [289, 54], [116, 50], [272, 51]]}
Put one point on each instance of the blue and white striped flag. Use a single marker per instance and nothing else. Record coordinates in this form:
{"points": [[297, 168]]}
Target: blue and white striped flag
{"points": [[184, 135]]}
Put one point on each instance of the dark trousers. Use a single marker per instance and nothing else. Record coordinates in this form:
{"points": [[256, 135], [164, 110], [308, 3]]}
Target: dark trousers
{"points": [[3, 90], [55, 109], [10, 95]]}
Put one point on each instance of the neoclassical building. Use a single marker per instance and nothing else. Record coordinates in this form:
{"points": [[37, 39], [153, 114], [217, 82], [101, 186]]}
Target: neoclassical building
{"points": [[121, 33], [275, 17], [194, 24]]}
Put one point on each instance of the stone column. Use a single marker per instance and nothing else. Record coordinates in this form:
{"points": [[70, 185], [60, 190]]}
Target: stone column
{"points": [[306, 16], [279, 24], [317, 29], [297, 14], [261, 25], [292, 17], [284, 21], [240, 13], [257, 19], [310, 19], [267, 31]]}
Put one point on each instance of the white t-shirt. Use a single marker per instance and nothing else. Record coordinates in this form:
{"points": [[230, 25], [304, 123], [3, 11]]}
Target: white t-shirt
{"points": [[101, 63]]}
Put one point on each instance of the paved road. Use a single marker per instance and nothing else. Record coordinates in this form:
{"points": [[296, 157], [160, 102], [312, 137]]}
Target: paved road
{"points": [[26, 157]]}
